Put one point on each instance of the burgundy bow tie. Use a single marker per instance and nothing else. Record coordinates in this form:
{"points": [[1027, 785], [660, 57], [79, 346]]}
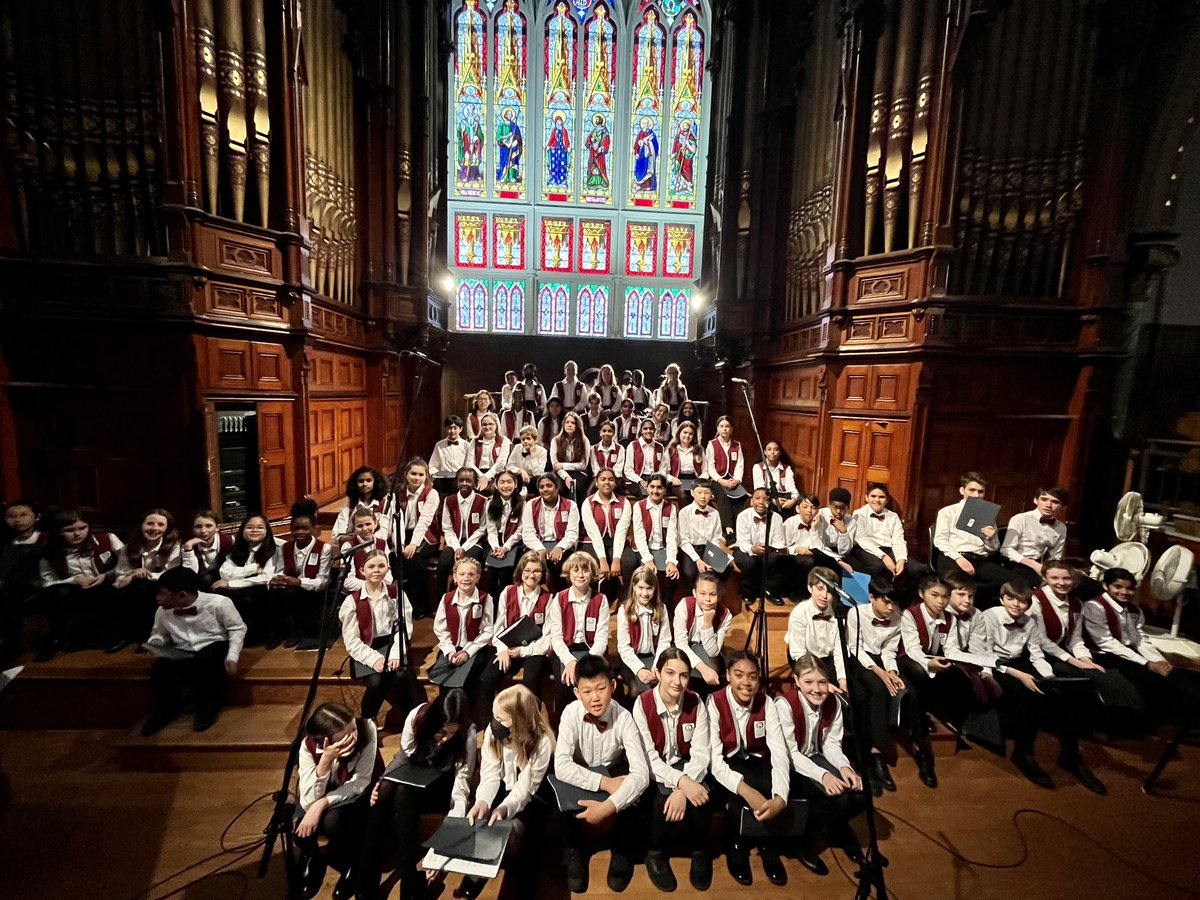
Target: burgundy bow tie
{"points": [[1047, 520], [1014, 626], [879, 516], [823, 617], [187, 611], [802, 527], [601, 725], [758, 520], [881, 623], [702, 512], [452, 443], [944, 627], [962, 617]]}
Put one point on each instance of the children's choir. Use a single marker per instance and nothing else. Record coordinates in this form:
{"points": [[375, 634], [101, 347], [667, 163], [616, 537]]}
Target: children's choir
{"points": [[544, 519]]}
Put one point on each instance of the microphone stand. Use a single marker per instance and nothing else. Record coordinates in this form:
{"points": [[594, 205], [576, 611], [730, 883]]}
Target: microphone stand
{"points": [[757, 633], [280, 825], [870, 871]]}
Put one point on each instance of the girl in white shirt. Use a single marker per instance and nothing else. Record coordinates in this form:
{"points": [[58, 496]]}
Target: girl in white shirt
{"points": [[606, 386], [76, 574], [689, 413], [152, 549], [529, 595], [783, 479], [570, 453], [726, 464], [367, 487], [518, 746], [369, 619], [481, 405], [643, 632], [503, 522], [685, 460], [247, 570]]}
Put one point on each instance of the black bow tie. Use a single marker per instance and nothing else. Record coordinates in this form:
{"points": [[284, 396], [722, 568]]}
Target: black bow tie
{"points": [[702, 513], [823, 617], [881, 623], [1014, 626], [962, 617], [526, 452], [601, 725], [879, 516], [1047, 520], [451, 443], [187, 611]]}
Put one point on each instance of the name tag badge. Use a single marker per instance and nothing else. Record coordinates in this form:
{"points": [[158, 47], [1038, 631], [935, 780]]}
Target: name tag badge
{"points": [[106, 556], [539, 618], [760, 728], [688, 729], [476, 612], [590, 623], [733, 456], [474, 518], [564, 514]]}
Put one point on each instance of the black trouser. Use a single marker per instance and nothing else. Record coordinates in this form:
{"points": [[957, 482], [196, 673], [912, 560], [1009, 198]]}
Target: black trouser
{"points": [[949, 695], [1024, 713], [523, 855], [1022, 574], [824, 811], [445, 566], [634, 687], [134, 606], [989, 575], [914, 569], [1172, 697], [689, 571], [416, 577], [693, 831], [392, 685], [536, 670], [344, 827], [479, 663], [727, 509], [394, 825], [751, 568], [799, 565], [203, 674], [77, 615], [871, 705], [252, 605], [624, 836], [295, 611], [1113, 704], [756, 771], [580, 482], [609, 586], [565, 693], [631, 561]]}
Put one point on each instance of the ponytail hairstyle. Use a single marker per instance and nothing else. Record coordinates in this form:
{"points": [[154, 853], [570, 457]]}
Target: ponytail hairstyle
{"points": [[529, 724], [449, 709], [239, 553], [305, 508], [643, 575], [136, 545], [672, 654]]}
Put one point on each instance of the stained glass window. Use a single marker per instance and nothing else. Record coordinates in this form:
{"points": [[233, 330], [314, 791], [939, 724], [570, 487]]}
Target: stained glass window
{"points": [[470, 240], [639, 312], [556, 244], [600, 78], [558, 104], [673, 313], [595, 246], [553, 305], [679, 243], [508, 307], [687, 77], [592, 311], [649, 44], [471, 305], [641, 248], [508, 245], [470, 112], [510, 89]]}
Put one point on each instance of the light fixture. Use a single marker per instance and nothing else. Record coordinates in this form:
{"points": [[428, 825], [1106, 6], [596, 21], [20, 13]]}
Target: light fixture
{"points": [[698, 300], [447, 282]]}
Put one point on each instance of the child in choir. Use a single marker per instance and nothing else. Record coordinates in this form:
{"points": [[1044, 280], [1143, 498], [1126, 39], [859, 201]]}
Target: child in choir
{"points": [[812, 540], [481, 405], [725, 465], [938, 685], [605, 518], [1034, 536], [503, 529], [637, 391], [462, 628], [528, 392], [753, 553], [1014, 639], [528, 596], [965, 552], [569, 454], [673, 723], [749, 759], [701, 623], [507, 392], [366, 528], [685, 460], [643, 632], [812, 628], [437, 735], [152, 549], [514, 421], [656, 533], [518, 747], [248, 568], [551, 423], [463, 526], [837, 526], [489, 452], [606, 452], [203, 552], [1114, 627], [783, 492], [594, 732], [873, 639], [608, 390], [627, 424], [448, 456], [417, 506], [76, 575], [365, 487], [811, 719], [550, 523], [205, 634], [671, 391], [370, 620], [643, 458], [570, 391], [339, 761], [661, 417], [578, 623], [20, 546], [688, 413], [593, 417], [879, 546], [699, 523], [296, 592], [961, 610], [528, 459]]}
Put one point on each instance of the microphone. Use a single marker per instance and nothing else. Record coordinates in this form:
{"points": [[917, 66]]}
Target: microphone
{"points": [[835, 588], [362, 545], [739, 380], [417, 354]]}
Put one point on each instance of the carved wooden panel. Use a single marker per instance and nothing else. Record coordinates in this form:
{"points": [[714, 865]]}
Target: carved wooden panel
{"points": [[881, 388], [229, 364], [337, 445], [799, 435], [870, 450], [797, 386], [336, 372], [272, 369], [237, 252], [877, 287], [234, 302], [802, 341], [334, 324]]}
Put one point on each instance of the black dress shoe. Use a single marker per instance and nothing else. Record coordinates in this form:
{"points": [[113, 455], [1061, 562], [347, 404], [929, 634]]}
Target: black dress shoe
{"points": [[777, 601], [738, 861], [842, 835], [658, 867], [312, 875], [700, 874], [576, 871], [773, 866], [472, 886], [344, 889], [1028, 767], [925, 769], [157, 722], [118, 646], [809, 859], [882, 773], [272, 642], [1085, 776], [204, 720], [620, 871]]}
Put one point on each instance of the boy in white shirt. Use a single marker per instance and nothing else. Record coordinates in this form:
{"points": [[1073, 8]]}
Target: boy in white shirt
{"points": [[962, 551], [752, 551], [699, 523], [812, 628], [528, 460], [448, 456], [1034, 536]]}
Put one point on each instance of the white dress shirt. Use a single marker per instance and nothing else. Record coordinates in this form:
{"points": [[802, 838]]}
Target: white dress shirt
{"points": [[382, 618], [344, 523], [820, 637], [608, 458], [910, 637], [582, 745], [560, 643], [663, 766], [737, 467], [727, 777], [496, 529], [995, 633], [541, 535], [1027, 538], [532, 465], [417, 516], [649, 645], [954, 543], [831, 746], [471, 606], [783, 476], [573, 467], [593, 531], [251, 573], [1072, 641], [819, 534], [627, 428], [446, 458], [865, 638], [301, 556], [149, 560], [521, 782], [1133, 644], [361, 767], [646, 544], [211, 552], [573, 394], [525, 603], [712, 640], [216, 619], [872, 534], [696, 528], [79, 563], [471, 526], [750, 531], [648, 467], [489, 468], [464, 773]]}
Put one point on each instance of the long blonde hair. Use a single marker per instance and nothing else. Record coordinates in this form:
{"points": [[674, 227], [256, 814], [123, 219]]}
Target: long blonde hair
{"points": [[645, 576], [529, 724]]}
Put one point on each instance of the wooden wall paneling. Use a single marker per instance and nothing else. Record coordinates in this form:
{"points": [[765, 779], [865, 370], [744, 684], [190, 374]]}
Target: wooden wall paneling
{"points": [[212, 458], [352, 430], [229, 365], [324, 478], [276, 457], [271, 366]]}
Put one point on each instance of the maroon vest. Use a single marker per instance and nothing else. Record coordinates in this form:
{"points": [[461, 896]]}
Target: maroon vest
{"points": [[635, 630], [103, 557], [1114, 625], [312, 565], [362, 611], [607, 457], [639, 456], [224, 543], [499, 447], [561, 517], [474, 622], [478, 504], [689, 704], [723, 462], [755, 743], [800, 718], [512, 606], [606, 522], [922, 629], [692, 608], [433, 533], [1050, 619], [342, 772], [591, 612], [644, 508]]}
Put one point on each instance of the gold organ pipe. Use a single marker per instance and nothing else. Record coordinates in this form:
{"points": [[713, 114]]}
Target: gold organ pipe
{"points": [[877, 139], [899, 123], [259, 108], [921, 113]]}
